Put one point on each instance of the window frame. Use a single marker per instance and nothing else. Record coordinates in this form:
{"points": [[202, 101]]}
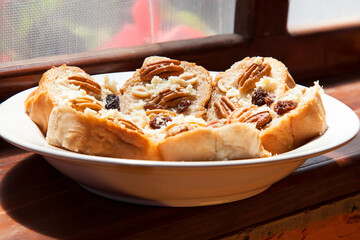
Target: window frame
{"points": [[260, 30]]}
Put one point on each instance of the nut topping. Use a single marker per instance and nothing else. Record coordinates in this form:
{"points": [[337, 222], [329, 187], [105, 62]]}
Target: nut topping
{"points": [[163, 69], [177, 128], [125, 123], [140, 91], [254, 71], [155, 112], [85, 83], [187, 78], [251, 114], [168, 98], [260, 119], [223, 85], [80, 104], [224, 107]]}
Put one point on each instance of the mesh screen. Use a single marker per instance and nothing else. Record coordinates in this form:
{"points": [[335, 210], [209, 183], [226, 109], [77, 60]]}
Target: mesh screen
{"points": [[34, 28]]}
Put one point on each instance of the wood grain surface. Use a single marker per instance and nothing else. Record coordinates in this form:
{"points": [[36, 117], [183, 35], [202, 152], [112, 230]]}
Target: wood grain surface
{"points": [[38, 202]]}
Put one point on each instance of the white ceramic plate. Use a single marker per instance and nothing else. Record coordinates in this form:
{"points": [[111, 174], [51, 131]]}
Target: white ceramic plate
{"points": [[173, 183]]}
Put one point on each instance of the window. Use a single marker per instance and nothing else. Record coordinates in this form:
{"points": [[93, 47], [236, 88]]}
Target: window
{"points": [[110, 36], [32, 29], [322, 13]]}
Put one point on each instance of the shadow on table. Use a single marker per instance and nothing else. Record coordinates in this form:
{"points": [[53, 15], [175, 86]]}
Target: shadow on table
{"points": [[42, 199]]}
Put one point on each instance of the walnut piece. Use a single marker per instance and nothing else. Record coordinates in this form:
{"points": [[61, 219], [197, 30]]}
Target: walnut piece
{"points": [[224, 107], [86, 84], [163, 69], [254, 71]]}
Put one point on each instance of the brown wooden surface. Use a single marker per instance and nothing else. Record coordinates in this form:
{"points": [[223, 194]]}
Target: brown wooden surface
{"points": [[38, 202]]}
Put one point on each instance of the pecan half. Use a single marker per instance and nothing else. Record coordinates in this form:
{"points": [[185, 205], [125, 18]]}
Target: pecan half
{"points": [[86, 84], [254, 71], [251, 114], [163, 69], [261, 119], [168, 98], [224, 107], [177, 128], [156, 112], [80, 104], [125, 123]]}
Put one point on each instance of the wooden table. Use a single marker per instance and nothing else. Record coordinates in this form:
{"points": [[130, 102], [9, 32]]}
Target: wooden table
{"points": [[38, 202]]}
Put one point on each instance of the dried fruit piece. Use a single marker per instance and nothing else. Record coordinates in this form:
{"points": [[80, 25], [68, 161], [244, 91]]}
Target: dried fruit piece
{"points": [[112, 102], [183, 105], [163, 69], [159, 121], [150, 106], [283, 106], [260, 97], [254, 71]]}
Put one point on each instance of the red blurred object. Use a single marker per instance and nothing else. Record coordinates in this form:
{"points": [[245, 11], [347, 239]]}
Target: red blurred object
{"points": [[146, 28]]}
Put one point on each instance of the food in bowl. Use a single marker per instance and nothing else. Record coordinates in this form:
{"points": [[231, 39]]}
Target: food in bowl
{"points": [[173, 110]]}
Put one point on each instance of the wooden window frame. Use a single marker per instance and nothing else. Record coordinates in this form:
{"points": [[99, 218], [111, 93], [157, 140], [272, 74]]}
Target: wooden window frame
{"points": [[260, 30]]}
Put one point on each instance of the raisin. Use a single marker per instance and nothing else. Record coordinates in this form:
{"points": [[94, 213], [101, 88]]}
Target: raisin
{"points": [[159, 121], [285, 106], [112, 102], [183, 105], [150, 106], [258, 96], [270, 99]]}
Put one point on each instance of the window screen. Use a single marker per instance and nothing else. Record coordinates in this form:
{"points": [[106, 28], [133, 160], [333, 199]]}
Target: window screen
{"points": [[37, 28]]}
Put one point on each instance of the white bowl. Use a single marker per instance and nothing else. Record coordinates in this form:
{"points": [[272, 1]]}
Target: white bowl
{"points": [[173, 183]]}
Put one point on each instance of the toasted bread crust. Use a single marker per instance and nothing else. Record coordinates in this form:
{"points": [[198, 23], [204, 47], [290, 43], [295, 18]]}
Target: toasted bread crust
{"points": [[69, 129]]}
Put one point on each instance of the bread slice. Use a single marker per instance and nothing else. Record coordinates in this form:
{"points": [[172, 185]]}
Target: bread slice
{"points": [[98, 134], [261, 91], [162, 83], [76, 113], [215, 142], [297, 126], [59, 86], [237, 84]]}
